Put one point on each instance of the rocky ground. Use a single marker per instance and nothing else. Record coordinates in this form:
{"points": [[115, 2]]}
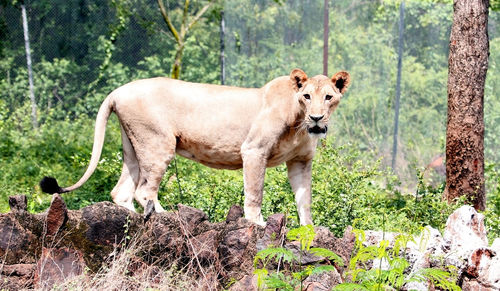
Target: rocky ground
{"points": [[40, 250]]}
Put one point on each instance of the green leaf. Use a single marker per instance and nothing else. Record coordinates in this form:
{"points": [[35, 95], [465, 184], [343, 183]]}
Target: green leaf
{"points": [[440, 278], [261, 275], [350, 287], [304, 234], [279, 281], [322, 252], [268, 254], [322, 269]]}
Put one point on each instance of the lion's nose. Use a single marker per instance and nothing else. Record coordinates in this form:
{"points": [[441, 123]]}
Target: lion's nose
{"points": [[316, 117]]}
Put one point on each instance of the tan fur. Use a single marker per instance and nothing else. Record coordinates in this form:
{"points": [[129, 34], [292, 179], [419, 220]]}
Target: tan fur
{"points": [[221, 127]]}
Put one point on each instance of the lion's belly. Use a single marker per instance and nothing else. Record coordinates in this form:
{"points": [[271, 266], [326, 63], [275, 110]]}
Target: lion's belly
{"points": [[226, 157]]}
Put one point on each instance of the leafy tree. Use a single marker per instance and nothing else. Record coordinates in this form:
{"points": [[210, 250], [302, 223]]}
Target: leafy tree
{"points": [[186, 24]]}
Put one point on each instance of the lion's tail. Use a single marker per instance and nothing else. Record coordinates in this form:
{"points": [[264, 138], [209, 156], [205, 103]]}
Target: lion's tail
{"points": [[50, 185]]}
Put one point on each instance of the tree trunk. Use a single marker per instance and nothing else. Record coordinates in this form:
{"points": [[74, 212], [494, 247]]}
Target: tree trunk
{"points": [[176, 68], [468, 63], [398, 84], [326, 32], [30, 70], [222, 48]]}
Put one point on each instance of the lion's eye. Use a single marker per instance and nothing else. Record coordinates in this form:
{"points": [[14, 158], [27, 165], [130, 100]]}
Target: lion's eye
{"points": [[307, 96], [328, 97]]}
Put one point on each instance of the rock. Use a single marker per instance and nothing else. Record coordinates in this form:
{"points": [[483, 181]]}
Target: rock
{"points": [[57, 265], [484, 267], [341, 246], [18, 203], [306, 258], [164, 236], [429, 240], [474, 285], [57, 215], [108, 224], [465, 229], [322, 281], [274, 225], [190, 218], [419, 251], [17, 276], [273, 232], [234, 213], [237, 251], [17, 244], [374, 237], [247, 283], [204, 246], [464, 233], [478, 260]]}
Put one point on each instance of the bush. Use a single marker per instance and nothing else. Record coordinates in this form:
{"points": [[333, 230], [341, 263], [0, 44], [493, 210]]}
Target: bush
{"points": [[60, 149], [346, 191]]}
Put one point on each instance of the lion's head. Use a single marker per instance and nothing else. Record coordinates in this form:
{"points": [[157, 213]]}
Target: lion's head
{"points": [[318, 97]]}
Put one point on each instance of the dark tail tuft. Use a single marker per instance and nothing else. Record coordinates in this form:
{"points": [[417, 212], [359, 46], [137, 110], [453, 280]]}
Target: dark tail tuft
{"points": [[49, 185]]}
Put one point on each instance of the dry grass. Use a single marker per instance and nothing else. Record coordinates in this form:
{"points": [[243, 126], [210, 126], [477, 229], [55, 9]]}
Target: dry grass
{"points": [[126, 271]]}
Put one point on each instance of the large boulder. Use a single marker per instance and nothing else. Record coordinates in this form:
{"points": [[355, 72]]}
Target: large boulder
{"points": [[44, 249]]}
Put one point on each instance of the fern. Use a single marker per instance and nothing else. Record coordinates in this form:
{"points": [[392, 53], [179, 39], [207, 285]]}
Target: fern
{"points": [[350, 287], [321, 252], [266, 255], [323, 269], [438, 277], [261, 275], [304, 273], [293, 280], [363, 255], [394, 277], [304, 234], [279, 281]]}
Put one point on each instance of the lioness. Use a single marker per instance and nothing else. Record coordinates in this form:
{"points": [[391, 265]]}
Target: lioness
{"points": [[221, 127]]}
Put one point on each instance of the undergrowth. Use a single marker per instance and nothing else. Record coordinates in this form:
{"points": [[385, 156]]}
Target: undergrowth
{"points": [[348, 184], [278, 268], [389, 267], [293, 277]]}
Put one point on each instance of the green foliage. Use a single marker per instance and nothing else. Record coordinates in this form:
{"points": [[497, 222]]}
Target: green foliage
{"points": [[495, 5], [292, 278], [304, 234], [393, 275], [109, 43], [60, 149]]}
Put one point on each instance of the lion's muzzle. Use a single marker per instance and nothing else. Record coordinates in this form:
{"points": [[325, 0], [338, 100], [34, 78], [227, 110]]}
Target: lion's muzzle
{"points": [[317, 130]]}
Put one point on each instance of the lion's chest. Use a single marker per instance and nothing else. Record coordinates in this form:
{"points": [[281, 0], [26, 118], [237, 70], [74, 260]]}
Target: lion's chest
{"points": [[292, 146]]}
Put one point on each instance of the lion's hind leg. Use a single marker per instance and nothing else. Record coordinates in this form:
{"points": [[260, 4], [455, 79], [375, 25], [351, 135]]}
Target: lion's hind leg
{"points": [[153, 160], [123, 192]]}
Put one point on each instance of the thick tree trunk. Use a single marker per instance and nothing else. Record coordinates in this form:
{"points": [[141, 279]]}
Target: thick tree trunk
{"points": [[468, 63], [30, 70]]}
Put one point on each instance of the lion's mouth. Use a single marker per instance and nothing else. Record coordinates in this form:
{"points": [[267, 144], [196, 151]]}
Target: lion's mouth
{"points": [[317, 130]]}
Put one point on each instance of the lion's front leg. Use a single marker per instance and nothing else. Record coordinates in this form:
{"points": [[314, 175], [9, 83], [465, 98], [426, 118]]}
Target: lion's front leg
{"points": [[254, 170], [299, 175]]}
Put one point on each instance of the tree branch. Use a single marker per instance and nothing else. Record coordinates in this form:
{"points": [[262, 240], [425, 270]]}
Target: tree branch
{"points": [[167, 21], [184, 28], [200, 14]]}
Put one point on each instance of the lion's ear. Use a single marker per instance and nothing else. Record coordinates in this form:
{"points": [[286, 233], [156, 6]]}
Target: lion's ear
{"points": [[341, 80], [298, 78]]}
